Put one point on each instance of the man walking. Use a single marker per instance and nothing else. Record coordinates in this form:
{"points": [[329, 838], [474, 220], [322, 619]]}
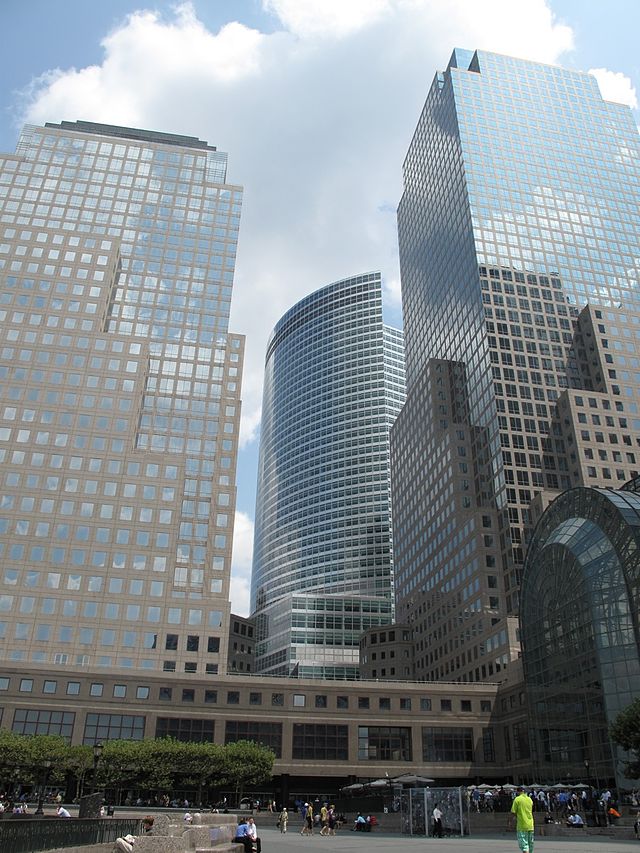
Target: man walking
{"points": [[522, 808], [437, 823]]}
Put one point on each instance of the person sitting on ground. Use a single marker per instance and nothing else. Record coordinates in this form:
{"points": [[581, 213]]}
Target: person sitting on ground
{"points": [[188, 817], [62, 812], [253, 834], [575, 820], [360, 824], [125, 844], [243, 835]]}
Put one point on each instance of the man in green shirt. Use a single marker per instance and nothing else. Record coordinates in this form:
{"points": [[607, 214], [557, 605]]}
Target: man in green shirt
{"points": [[522, 808]]}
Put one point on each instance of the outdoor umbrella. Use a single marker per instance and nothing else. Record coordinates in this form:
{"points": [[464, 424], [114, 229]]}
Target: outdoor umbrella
{"points": [[412, 779]]}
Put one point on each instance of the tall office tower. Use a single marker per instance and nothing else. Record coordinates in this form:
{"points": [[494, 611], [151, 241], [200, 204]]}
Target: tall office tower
{"points": [[120, 400], [323, 566], [520, 206]]}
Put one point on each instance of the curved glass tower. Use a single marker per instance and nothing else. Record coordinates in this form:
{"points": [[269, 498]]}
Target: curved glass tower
{"points": [[579, 627], [322, 566]]}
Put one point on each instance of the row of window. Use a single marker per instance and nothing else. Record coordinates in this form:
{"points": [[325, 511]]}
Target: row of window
{"points": [[256, 698], [310, 741]]}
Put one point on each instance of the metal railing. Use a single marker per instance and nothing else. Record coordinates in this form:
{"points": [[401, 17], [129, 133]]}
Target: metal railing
{"points": [[30, 835]]}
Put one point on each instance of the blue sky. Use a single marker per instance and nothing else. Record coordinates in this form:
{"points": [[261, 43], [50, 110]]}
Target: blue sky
{"points": [[315, 101]]}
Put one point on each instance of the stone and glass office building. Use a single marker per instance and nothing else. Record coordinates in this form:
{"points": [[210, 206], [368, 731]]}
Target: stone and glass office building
{"points": [[323, 566], [324, 734], [520, 208], [119, 402]]}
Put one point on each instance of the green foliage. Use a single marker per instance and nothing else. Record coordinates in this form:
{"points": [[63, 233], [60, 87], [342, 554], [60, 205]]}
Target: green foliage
{"points": [[150, 765], [625, 731], [247, 763]]}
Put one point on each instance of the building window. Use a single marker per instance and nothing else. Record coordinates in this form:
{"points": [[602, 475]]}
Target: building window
{"points": [[233, 697], [425, 703], [405, 704], [210, 697], [318, 742], [363, 703], [26, 685], [73, 688], [213, 644], [165, 694], [384, 703], [4, 683], [185, 729], [384, 743], [445, 705], [142, 693], [321, 701], [171, 643], [193, 643], [255, 698], [465, 705], [520, 741], [43, 723], [299, 700], [485, 706], [266, 734], [101, 727], [342, 702], [50, 687], [96, 689], [119, 691], [447, 744], [188, 695], [277, 699], [488, 746]]}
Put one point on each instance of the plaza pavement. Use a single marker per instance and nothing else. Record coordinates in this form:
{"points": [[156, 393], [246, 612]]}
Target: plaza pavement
{"points": [[372, 842]]}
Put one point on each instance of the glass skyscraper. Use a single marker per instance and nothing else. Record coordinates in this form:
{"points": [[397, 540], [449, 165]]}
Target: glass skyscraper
{"points": [[520, 206], [323, 567], [120, 400]]}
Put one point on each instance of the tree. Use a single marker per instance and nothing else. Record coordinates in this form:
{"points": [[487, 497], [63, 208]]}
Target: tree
{"points": [[246, 763], [625, 731], [202, 766], [78, 762]]}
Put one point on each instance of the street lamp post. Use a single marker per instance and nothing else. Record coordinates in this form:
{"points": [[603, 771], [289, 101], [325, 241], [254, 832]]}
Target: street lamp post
{"points": [[97, 755], [586, 770], [46, 764]]}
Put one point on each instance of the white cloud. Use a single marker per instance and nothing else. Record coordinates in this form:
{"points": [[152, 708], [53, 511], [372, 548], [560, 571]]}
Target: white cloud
{"points": [[333, 18], [241, 565], [316, 118], [615, 86]]}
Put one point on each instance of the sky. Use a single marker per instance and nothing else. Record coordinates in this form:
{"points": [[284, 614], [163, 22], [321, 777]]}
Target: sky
{"points": [[315, 102]]}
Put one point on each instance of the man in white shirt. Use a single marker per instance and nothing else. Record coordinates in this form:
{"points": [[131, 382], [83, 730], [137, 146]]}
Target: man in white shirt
{"points": [[437, 822], [253, 834], [62, 812]]}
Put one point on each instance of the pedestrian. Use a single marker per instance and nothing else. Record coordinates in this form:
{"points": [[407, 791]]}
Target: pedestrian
{"points": [[283, 820], [253, 835], [307, 826], [522, 808], [437, 822]]}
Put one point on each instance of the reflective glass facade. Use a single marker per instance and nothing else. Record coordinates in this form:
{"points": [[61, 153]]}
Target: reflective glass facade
{"points": [[322, 570], [119, 399], [519, 207], [580, 629]]}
